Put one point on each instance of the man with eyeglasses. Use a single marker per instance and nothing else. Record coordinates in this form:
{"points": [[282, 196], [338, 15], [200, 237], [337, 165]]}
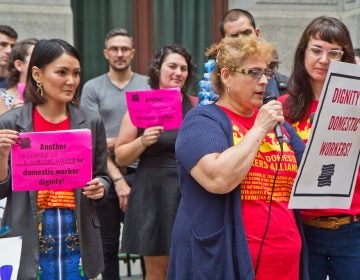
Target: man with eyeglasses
{"points": [[8, 37], [106, 94]]}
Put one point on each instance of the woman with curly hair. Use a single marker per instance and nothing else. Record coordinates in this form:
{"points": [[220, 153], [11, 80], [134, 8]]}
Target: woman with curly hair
{"points": [[233, 220], [154, 198]]}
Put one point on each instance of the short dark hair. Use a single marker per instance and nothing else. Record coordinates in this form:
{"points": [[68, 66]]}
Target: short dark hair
{"points": [[158, 59], [8, 31], [45, 52], [233, 15], [118, 32], [18, 52]]}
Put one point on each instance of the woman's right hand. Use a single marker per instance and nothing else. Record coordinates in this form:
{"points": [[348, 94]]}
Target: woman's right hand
{"points": [[8, 137], [269, 115], [129, 145], [151, 135]]}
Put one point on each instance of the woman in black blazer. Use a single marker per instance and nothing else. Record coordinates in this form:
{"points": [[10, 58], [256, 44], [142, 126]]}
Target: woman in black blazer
{"points": [[54, 235]]}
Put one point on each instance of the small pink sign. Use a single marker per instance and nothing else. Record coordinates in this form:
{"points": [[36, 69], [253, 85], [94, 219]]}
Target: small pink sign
{"points": [[21, 88], [159, 107], [52, 160]]}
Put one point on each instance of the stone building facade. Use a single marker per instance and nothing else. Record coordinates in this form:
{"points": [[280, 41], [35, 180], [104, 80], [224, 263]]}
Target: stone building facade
{"points": [[42, 19], [281, 21]]}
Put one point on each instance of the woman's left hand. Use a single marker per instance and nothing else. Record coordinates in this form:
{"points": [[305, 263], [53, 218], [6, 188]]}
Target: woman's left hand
{"points": [[269, 115], [94, 189]]}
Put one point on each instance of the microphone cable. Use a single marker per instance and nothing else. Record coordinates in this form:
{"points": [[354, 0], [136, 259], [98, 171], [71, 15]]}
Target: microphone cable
{"points": [[270, 207]]}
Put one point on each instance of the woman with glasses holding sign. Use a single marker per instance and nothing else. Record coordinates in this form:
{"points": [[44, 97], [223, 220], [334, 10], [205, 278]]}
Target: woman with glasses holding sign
{"points": [[154, 198], [332, 235], [236, 177], [60, 230]]}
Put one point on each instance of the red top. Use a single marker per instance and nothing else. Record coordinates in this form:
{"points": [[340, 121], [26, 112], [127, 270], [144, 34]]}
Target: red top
{"points": [[282, 244]]}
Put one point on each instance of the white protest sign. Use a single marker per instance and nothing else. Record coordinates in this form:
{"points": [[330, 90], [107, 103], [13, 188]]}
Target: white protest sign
{"points": [[10, 257], [329, 167]]}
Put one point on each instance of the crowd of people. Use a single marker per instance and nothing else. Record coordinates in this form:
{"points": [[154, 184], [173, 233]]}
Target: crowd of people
{"points": [[205, 201]]}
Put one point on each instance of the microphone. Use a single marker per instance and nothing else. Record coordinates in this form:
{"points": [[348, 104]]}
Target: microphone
{"points": [[277, 129], [312, 118]]}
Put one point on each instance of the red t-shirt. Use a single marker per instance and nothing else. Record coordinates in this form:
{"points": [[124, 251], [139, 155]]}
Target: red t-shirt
{"points": [[303, 128], [47, 198], [280, 256]]}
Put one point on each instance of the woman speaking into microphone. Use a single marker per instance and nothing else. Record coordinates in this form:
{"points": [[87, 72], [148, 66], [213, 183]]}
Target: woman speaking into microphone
{"points": [[233, 220]]}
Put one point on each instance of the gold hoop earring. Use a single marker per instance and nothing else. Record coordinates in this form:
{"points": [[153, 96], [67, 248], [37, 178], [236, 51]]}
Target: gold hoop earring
{"points": [[227, 89], [39, 89]]}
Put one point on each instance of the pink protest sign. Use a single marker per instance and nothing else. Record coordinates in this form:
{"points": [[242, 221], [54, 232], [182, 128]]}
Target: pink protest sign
{"points": [[52, 160], [155, 107], [21, 88]]}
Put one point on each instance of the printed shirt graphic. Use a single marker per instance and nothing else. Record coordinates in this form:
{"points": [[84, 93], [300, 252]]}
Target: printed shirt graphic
{"points": [[282, 244], [303, 128], [47, 198]]}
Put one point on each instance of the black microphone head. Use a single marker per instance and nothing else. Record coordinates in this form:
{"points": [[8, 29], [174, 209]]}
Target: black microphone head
{"points": [[268, 97], [312, 117]]}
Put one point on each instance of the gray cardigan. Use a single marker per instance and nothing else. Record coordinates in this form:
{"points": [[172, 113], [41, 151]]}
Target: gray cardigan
{"points": [[21, 207]]}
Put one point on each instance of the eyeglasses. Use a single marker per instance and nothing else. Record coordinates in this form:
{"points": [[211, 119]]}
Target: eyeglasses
{"points": [[255, 73], [319, 52], [115, 50]]}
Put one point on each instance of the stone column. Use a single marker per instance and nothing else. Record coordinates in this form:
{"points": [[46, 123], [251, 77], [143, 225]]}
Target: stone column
{"points": [[42, 19], [283, 21]]}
